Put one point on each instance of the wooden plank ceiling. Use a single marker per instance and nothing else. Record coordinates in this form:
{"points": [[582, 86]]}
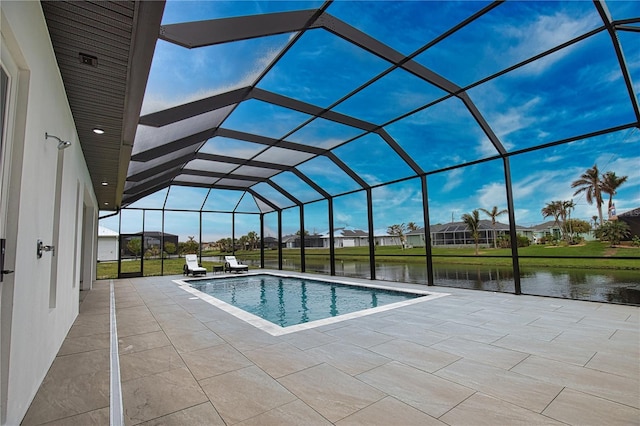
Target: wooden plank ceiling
{"points": [[104, 52]]}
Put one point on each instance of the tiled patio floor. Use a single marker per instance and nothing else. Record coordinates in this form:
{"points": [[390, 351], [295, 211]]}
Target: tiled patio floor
{"points": [[471, 358]]}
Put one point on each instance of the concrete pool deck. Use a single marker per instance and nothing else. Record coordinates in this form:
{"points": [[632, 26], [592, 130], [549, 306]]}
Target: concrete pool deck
{"points": [[472, 357]]}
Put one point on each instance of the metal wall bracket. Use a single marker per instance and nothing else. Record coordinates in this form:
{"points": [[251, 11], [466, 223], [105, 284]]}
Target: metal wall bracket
{"points": [[3, 272], [42, 248]]}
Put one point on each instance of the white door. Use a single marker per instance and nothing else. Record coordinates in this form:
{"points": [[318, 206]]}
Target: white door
{"points": [[6, 90], [11, 79]]}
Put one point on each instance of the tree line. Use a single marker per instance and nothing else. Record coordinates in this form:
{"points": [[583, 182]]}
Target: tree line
{"points": [[593, 184], [134, 246], [472, 221], [250, 241]]}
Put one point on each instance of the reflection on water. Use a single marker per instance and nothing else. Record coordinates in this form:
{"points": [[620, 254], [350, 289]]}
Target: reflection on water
{"points": [[616, 286], [583, 284]]}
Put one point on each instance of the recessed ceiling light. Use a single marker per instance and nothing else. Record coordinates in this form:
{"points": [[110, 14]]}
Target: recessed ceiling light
{"points": [[98, 131], [106, 204], [105, 183]]}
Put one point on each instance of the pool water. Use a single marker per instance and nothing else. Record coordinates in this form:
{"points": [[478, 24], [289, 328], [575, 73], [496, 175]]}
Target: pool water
{"points": [[288, 301]]}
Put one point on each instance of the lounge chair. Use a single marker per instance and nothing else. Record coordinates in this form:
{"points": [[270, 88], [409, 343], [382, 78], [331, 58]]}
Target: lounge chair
{"points": [[231, 264], [191, 266]]}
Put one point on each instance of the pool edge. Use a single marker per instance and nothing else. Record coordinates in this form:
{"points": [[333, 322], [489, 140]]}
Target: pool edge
{"points": [[276, 330]]}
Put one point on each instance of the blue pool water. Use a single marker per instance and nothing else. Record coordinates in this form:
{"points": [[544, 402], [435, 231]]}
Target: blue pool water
{"points": [[287, 301]]}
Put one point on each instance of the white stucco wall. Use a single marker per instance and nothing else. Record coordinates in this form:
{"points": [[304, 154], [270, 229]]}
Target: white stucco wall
{"points": [[107, 248], [39, 325]]}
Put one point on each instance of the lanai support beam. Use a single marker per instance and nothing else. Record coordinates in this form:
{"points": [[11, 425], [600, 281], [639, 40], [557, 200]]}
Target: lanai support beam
{"points": [[161, 172], [310, 109], [225, 30], [301, 211], [332, 249], [162, 248], [258, 196], [603, 10], [233, 233], [302, 251], [372, 246], [280, 240], [427, 230], [512, 226], [401, 152], [262, 240]]}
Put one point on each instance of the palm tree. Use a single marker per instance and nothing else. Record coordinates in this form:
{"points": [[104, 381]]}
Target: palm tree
{"points": [[565, 213], [473, 224], [253, 239], [398, 231], [244, 242], [610, 183], [554, 209], [590, 184], [493, 214], [412, 226]]}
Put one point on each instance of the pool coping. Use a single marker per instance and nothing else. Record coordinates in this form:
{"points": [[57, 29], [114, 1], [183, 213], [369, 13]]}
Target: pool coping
{"points": [[276, 330]]}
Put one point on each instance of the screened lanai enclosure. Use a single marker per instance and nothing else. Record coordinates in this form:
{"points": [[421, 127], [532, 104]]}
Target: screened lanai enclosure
{"points": [[305, 118]]}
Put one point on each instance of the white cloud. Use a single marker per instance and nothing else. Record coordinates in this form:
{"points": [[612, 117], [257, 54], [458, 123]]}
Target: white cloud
{"points": [[487, 149], [396, 204], [154, 102], [629, 166], [371, 178], [448, 111], [492, 194], [633, 135], [454, 180], [515, 118], [389, 197], [342, 219], [540, 187], [628, 196], [446, 212], [522, 218], [612, 76], [553, 159], [543, 33]]}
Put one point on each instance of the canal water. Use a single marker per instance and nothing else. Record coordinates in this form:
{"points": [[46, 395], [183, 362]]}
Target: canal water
{"points": [[602, 285]]}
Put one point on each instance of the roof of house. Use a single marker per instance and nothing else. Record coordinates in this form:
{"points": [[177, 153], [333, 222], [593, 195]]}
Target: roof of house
{"points": [[290, 238], [461, 227], [158, 234], [631, 213], [545, 226], [106, 232], [346, 233], [354, 233]]}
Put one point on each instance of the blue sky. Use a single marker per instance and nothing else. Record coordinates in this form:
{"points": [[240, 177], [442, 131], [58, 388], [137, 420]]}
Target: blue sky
{"points": [[571, 92]]}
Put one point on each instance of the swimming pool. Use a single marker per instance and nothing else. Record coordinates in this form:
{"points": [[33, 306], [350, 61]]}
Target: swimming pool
{"points": [[281, 304]]}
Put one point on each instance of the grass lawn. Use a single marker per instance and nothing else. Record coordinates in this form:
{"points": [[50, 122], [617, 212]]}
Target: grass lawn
{"points": [[152, 267], [533, 256]]}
